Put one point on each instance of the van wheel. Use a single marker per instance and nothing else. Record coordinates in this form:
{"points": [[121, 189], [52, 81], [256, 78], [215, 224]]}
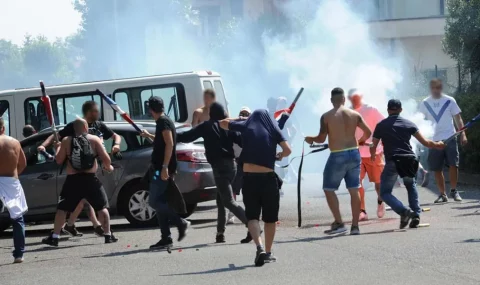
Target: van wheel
{"points": [[190, 209], [134, 206], [4, 225]]}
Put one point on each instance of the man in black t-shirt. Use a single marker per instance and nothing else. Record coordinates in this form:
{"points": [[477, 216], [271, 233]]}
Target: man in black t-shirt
{"points": [[164, 163], [400, 160], [91, 114]]}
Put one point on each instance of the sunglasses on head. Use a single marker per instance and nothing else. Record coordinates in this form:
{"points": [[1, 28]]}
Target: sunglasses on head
{"points": [[244, 114]]}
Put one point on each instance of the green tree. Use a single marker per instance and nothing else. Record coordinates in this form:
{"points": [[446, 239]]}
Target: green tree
{"points": [[462, 36], [11, 65]]}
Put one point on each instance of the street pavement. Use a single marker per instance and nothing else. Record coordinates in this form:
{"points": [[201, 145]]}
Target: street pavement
{"points": [[447, 252]]}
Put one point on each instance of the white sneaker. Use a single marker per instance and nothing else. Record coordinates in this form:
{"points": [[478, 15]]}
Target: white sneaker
{"points": [[231, 219], [18, 260]]}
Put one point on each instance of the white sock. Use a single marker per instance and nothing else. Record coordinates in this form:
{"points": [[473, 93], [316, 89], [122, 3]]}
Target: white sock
{"points": [[107, 234], [55, 236]]}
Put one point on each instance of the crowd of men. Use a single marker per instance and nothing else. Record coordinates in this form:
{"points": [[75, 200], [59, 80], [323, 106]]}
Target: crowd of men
{"points": [[243, 152]]}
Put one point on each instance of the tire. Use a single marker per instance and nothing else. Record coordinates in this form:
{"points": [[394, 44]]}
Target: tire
{"points": [[4, 225], [133, 204], [190, 209]]}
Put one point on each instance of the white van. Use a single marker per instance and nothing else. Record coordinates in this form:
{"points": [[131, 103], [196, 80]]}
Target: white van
{"points": [[181, 93]]}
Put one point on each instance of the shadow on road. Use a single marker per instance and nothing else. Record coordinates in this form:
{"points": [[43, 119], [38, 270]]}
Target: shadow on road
{"points": [[231, 267], [89, 230]]}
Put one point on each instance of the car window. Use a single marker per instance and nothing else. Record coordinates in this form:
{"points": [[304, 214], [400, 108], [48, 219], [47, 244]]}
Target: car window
{"points": [[207, 84], [109, 143], [5, 114], [34, 157]]}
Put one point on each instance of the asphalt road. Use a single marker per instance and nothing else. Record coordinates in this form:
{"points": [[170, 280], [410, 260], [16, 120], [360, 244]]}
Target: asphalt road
{"points": [[447, 252]]}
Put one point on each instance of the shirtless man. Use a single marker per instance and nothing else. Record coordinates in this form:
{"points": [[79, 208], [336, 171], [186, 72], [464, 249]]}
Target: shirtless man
{"points": [[340, 124], [202, 114], [11, 192], [82, 182]]}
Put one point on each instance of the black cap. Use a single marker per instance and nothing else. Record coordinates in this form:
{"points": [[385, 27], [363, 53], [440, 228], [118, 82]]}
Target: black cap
{"points": [[394, 104]]}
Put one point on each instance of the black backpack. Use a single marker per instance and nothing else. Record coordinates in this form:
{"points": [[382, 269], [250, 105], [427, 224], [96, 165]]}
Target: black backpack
{"points": [[81, 156]]}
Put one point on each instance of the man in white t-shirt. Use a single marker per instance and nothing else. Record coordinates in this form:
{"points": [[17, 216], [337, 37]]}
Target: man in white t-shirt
{"points": [[443, 111], [373, 169]]}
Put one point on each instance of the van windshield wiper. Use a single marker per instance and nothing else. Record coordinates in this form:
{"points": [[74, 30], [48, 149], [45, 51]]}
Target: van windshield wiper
{"points": [[173, 105]]}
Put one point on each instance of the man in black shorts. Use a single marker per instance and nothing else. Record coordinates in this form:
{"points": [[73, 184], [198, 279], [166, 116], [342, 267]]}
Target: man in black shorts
{"points": [[261, 196], [91, 114], [81, 152]]}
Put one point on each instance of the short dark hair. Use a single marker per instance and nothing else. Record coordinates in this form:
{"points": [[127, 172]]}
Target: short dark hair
{"points": [[394, 105], [209, 92], [28, 130], [337, 91], [436, 81], [88, 106], [155, 104]]}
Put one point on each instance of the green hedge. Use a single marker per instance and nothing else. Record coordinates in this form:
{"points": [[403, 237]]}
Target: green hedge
{"points": [[470, 154]]}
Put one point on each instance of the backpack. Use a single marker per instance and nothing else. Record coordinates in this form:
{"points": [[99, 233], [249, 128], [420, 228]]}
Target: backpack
{"points": [[82, 156]]}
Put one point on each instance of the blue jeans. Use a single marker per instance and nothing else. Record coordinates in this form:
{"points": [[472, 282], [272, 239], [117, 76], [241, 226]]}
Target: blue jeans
{"points": [[18, 226], [158, 201], [387, 182], [342, 165]]}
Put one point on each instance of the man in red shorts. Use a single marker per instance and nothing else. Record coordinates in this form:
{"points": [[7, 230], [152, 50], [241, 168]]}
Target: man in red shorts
{"points": [[373, 169]]}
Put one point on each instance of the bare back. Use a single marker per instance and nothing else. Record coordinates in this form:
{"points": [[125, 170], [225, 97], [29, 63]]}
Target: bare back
{"points": [[97, 148], [341, 125], [11, 156]]}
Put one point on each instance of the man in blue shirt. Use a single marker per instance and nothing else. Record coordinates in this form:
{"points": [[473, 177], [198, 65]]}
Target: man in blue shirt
{"points": [[260, 137], [400, 160]]}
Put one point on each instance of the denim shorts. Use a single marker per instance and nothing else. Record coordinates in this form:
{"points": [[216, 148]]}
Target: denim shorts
{"points": [[342, 165]]}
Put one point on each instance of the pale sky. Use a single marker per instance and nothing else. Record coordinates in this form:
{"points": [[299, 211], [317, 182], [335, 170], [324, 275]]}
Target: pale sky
{"points": [[51, 18]]}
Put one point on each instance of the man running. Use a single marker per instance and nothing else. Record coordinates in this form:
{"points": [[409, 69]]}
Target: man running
{"points": [[11, 191], [260, 137], [395, 133], [202, 114], [373, 169], [91, 114], [80, 152], [164, 162], [219, 151], [340, 125], [443, 111]]}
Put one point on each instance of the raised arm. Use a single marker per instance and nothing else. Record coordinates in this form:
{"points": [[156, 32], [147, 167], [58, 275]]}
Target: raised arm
{"points": [[428, 143], [61, 153], [190, 135], [46, 143], [102, 153]]}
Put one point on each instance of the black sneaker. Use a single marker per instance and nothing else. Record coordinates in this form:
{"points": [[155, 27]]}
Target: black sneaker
{"points": [[163, 243], [98, 231], [336, 228], [50, 240], [415, 222], [260, 257], [220, 238], [72, 230], [405, 218], [354, 231], [183, 230], [248, 238], [110, 238]]}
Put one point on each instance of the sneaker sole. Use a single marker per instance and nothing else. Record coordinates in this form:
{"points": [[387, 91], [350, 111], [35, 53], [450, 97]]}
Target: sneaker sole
{"points": [[333, 232], [354, 233], [186, 231], [260, 260]]}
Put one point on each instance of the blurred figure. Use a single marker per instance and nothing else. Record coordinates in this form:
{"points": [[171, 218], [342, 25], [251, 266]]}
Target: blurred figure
{"points": [[373, 169], [202, 114], [11, 191], [289, 131], [237, 182], [28, 130], [445, 114]]}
